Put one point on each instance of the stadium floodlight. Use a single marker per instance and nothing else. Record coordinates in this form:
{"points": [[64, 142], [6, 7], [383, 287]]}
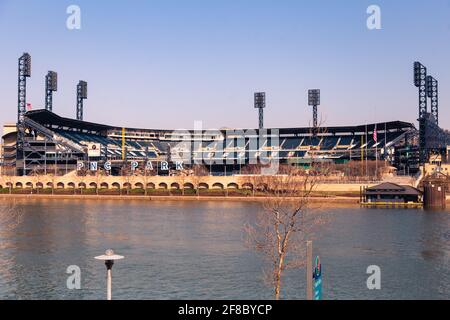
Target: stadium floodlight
{"points": [[314, 97], [83, 89], [260, 103], [81, 95], [25, 64], [314, 101], [51, 85], [432, 93], [260, 100], [420, 75], [52, 77], [24, 71]]}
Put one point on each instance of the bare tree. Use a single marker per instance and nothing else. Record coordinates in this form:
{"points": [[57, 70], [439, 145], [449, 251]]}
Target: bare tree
{"points": [[199, 171], [80, 179], [36, 177], [286, 221], [129, 176]]}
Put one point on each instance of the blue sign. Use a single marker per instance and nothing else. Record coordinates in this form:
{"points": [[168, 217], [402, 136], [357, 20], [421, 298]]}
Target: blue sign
{"points": [[317, 276]]}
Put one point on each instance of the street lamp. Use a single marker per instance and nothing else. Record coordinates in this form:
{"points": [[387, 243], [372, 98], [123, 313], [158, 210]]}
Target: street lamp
{"points": [[109, 258]]}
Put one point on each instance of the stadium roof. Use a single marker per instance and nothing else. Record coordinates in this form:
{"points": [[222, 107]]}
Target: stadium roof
{"points": [[50, 119], [47, 118]]}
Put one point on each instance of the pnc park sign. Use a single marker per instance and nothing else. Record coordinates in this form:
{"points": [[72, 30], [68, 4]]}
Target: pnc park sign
{"points": [[133, 165]]}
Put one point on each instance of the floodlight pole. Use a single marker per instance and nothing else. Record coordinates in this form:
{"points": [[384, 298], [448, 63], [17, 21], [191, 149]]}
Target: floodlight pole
{"points": [[420, 81], [50, 87], [432, 93], [261, 118], [24, 72], [81, 95], [315, 118], [314, 101], [260, 104]]}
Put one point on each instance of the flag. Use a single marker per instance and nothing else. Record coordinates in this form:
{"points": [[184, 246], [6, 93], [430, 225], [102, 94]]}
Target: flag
{"points": [[375, 135], [29, 106]]}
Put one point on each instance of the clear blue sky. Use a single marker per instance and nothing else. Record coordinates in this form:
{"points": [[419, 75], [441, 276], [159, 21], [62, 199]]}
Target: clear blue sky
{"points": [[167, 63]]}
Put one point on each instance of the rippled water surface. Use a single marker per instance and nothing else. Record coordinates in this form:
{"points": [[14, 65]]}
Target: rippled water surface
{"points": [[196, 250]]}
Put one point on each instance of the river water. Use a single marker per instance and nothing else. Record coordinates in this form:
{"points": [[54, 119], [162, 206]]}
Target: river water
{"points": [[196, 250]]}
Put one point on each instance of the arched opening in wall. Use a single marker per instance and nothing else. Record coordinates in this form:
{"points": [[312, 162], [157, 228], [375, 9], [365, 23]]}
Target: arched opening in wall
{"points": [[217, 186], [60, 185], [188, 186], [93, 185], [151, 185], [162, 186], [39, 185], [247, 186], [49, 185], [82, 185], [139, 186], [104, 186], [116, 186], [71, 185], [19, 185], [28, 185], [175, 186], [9, 185], [1, 187], [127, 185], [203, 186], [233, 186]]}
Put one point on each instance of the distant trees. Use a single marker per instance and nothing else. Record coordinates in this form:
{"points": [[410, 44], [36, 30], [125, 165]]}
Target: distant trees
{"points": [[361, 169]]}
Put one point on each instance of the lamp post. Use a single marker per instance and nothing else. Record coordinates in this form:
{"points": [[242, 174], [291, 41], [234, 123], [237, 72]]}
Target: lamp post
{"points": [[109, 258]]}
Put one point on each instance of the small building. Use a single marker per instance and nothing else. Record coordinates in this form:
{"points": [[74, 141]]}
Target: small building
{"points": [[391, 193]]}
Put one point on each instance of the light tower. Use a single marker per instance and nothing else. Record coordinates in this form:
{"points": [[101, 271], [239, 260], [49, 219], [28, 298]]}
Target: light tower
{"points": [[420, 75], [24, 72], [314, 101], [81, 95], [51, 85], [432, 93], [260, 104]]}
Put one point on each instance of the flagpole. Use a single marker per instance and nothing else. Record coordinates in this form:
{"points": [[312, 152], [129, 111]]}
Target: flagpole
{"points": [[385, 142], [375, 135], [362, 156], [367, 143]]}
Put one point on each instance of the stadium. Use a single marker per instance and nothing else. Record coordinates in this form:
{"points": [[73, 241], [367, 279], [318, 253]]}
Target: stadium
{"points": [[51, 139], [43, 142]]}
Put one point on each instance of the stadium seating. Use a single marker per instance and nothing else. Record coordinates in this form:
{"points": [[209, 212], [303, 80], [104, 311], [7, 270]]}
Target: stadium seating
{"points": [[291, 143], [284, 148]]}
